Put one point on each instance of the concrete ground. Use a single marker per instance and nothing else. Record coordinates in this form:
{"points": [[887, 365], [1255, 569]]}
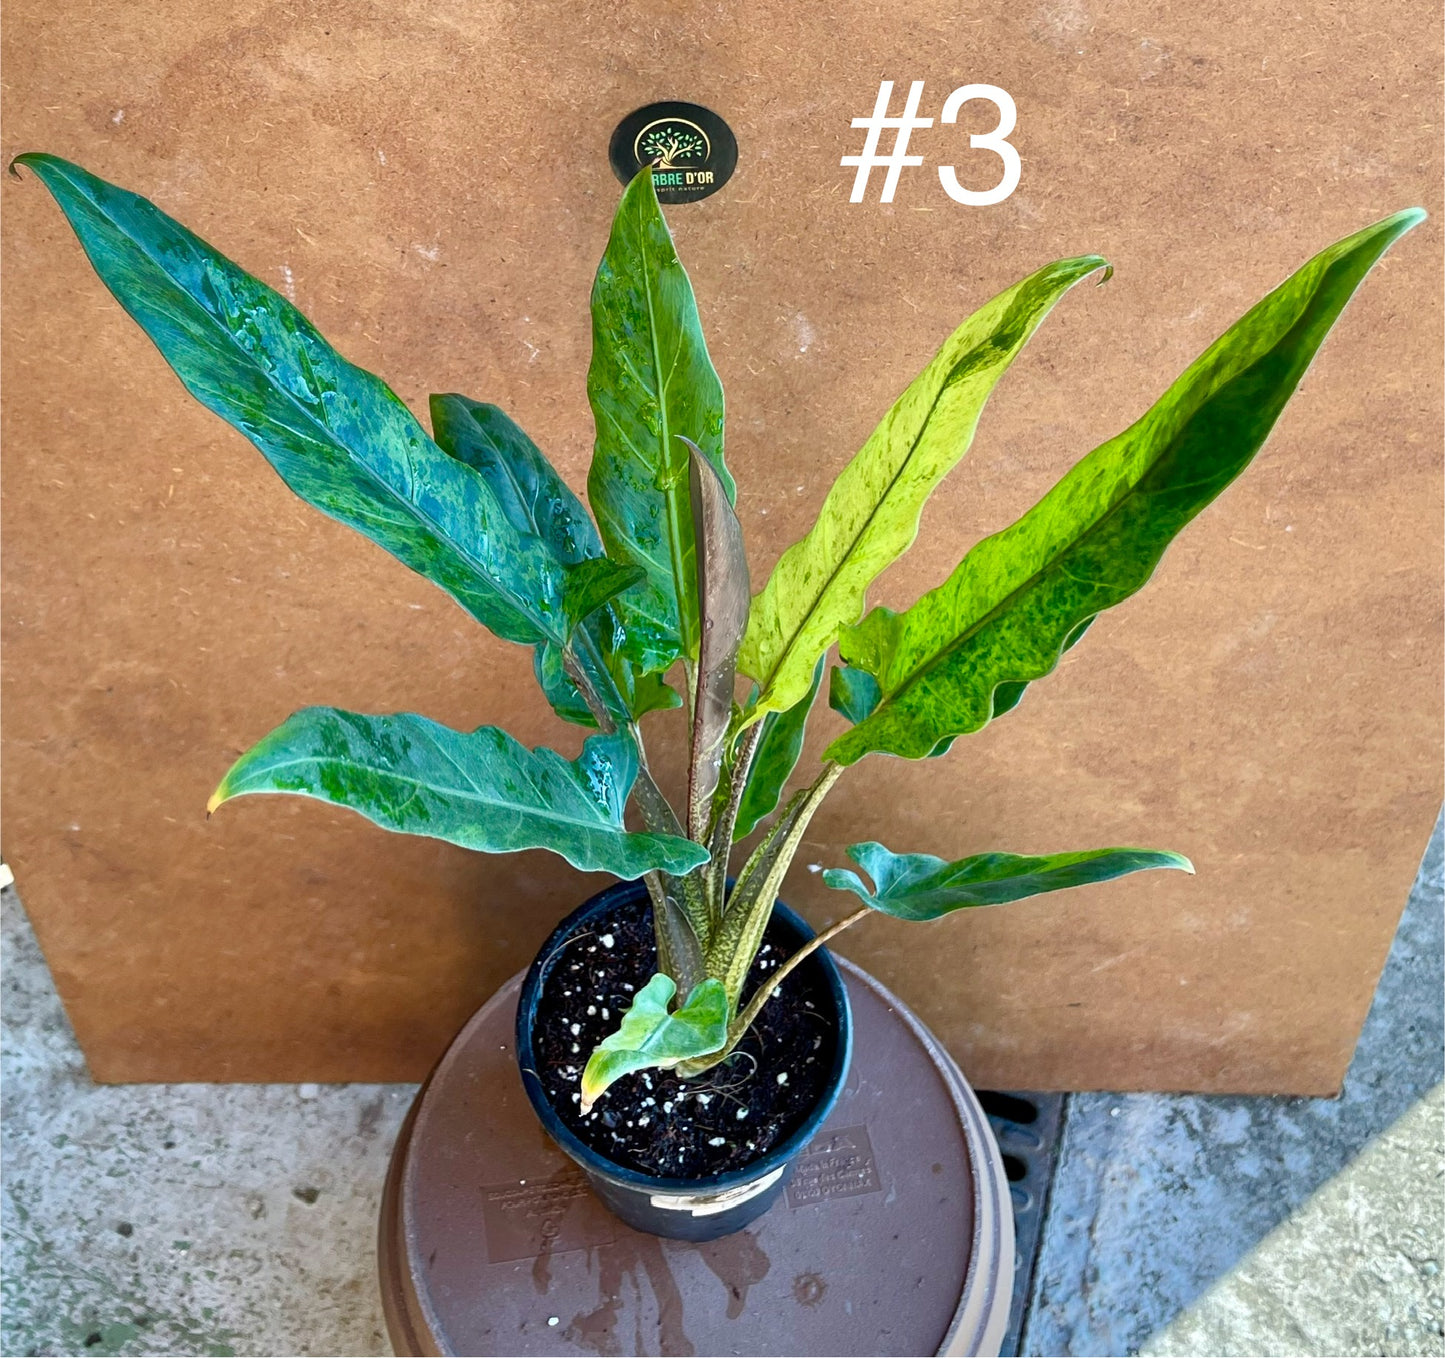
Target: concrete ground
{"points": [[240, 1219], [1184, 1224]]}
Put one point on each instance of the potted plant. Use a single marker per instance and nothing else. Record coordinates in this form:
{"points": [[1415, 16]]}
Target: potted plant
{"points": [[640, 1022]]}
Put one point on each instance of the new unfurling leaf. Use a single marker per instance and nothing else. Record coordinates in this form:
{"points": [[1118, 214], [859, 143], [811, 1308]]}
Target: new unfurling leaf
{"points": [[652, 1038], [723, 595]]}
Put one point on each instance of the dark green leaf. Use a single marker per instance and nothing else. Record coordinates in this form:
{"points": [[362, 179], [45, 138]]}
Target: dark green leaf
{"points": [[650, 380], [651, 693], [338, 436], [852, 693], [528, 488], [557, 686], [918, 886], [651, 1038], [775, 758], [1004, 615], [627, 693], [537, 500], [592, 583], [482, 790], [723, 596]]}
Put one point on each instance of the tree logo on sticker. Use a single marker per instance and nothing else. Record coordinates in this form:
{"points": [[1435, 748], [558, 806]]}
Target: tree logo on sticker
{"points": [[667, 143], [692, 151]]}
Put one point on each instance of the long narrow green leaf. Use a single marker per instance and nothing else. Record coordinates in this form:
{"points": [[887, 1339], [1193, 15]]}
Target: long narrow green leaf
{"points": [[870, 515], [650, 1038], [481, 789], [918, 886], [1005, 614], [650, 379], [775, 759], [339, 437]]}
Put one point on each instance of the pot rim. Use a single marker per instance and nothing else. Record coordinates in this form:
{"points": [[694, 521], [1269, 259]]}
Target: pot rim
{"points": [[597, 1163]]}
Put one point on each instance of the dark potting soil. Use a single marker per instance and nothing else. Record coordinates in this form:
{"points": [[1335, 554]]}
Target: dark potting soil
{"points": [[651, 1120]]}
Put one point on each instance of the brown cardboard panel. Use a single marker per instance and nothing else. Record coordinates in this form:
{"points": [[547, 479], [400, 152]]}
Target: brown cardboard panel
{"points": [[430, 182]]}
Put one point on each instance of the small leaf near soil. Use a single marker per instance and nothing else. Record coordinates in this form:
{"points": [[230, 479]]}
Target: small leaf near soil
{"points": [[651, 1037]]}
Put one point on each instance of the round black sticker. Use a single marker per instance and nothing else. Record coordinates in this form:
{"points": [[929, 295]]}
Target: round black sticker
{"points": [[691, 150]]}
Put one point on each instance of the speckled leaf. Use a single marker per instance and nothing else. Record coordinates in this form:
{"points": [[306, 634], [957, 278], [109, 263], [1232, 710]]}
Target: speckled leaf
{"points": [[536, 500], [650, 380], [854, 694], [592, 583], [775, 759], [918, 886], [650, 1038], [339, 437], [870, 516], [723, 597], [1009, 694], [1004, 615], [481, 789]]}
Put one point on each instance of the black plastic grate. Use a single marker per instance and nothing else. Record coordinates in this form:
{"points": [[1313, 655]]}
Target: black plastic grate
{"points": [[1026, 1127]]}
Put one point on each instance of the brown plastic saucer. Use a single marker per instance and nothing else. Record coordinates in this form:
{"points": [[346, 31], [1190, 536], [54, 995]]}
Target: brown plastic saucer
{"points": [[894, 1236]]}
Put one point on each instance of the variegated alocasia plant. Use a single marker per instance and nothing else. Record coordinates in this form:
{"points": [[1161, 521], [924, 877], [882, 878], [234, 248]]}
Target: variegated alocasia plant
{"points": [[654, 581]]}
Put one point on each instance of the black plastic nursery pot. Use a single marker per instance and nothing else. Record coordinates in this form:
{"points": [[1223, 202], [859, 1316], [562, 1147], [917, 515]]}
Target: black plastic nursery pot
{"points": [[892, 1236], [697, 1207]]}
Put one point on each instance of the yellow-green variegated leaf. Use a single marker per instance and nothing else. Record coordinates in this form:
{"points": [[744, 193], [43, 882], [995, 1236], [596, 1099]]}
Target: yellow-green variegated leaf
{"points": [[650, 380], [870, 516], [918, 886], [1006, 613], [651, 1038], [855, 693], [480, 789]]}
